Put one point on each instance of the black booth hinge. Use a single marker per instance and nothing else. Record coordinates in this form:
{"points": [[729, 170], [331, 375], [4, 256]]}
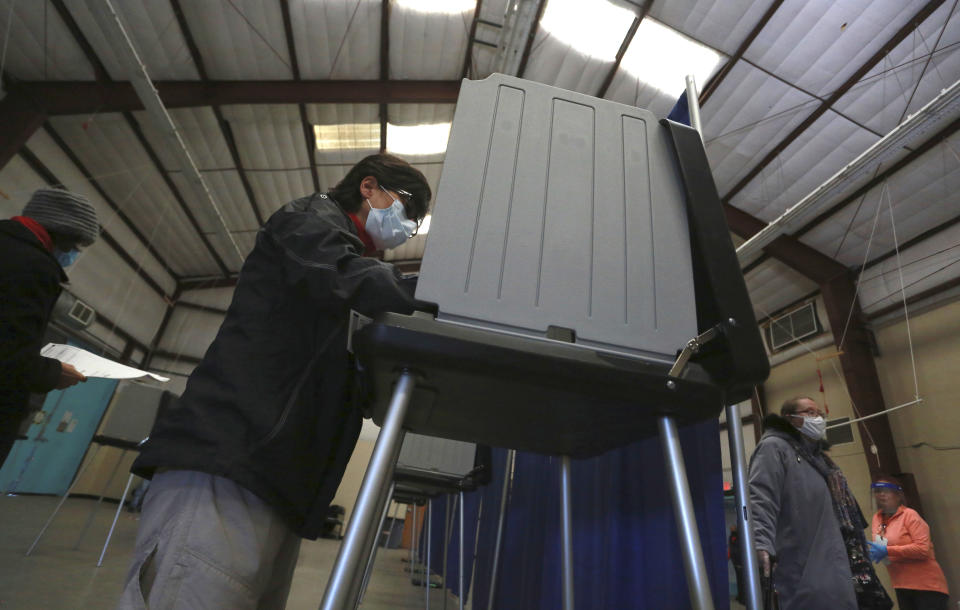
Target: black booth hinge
{"points": [[692, 347]]}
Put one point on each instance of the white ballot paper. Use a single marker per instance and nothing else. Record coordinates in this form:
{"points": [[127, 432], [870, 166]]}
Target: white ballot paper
{"points": [[92, 365]]}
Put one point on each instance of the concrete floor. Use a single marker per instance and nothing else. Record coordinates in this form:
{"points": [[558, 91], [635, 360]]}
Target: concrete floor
{"points": [[62, 574]]}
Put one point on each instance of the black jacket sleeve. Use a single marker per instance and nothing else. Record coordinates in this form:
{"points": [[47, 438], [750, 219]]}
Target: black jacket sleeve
{"points": [[26, 303], [324, 258]]}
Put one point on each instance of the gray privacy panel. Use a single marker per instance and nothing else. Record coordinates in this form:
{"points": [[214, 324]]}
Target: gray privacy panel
{"points": [[437, 455], [132, 412], [559, 209]]}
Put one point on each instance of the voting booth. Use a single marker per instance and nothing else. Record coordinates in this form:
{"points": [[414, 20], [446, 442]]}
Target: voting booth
{"points": [[588, 296]]}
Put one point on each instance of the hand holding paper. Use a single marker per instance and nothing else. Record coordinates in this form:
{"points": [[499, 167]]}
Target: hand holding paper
{"points": [[91, 365]]}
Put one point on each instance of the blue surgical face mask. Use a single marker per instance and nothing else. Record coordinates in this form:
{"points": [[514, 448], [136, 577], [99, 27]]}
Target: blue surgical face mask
{"points": [[66, 258], [389, 227]]}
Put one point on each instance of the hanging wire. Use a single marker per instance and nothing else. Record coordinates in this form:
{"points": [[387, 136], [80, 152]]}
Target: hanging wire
{"points": [[336, 56], [259, 34], [863, 267], [903, 293]]}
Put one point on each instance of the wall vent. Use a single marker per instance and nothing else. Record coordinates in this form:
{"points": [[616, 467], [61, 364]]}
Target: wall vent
{"points": [[793, 327]]}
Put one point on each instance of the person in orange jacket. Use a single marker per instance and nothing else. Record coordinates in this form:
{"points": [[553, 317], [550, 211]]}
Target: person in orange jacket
{"points": [[901, 539]]}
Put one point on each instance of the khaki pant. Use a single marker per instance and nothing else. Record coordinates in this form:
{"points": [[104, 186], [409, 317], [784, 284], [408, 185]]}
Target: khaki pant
{"points": [[205, 542]]}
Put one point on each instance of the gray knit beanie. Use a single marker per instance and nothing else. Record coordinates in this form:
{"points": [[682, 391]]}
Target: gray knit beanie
{"points": [[61, 211]]}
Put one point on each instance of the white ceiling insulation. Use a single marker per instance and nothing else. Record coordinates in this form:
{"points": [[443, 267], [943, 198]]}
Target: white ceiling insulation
{"points": [[801, 56]]}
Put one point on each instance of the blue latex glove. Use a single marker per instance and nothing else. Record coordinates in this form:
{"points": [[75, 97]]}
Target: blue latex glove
{"points": [[878, 552]]}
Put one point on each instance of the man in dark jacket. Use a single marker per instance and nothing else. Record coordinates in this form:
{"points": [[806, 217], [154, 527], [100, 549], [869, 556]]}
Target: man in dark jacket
{"points": [[249, 458], [34, 249]]}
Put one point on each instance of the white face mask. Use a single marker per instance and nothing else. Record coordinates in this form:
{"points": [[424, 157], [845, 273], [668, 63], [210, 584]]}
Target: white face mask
{"points": [[813, 427], [389, 227]]}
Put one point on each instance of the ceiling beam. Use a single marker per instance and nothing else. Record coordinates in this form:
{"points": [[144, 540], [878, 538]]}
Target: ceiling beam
{"points": [[85, 97], [222, 122], [631, 32], [384, 109], [55, 136], [468, 56], [825, 105], [722, 73], [203, 283], [48, 176], [798, 256], [528, 47], [309, 136], [19, 119]]}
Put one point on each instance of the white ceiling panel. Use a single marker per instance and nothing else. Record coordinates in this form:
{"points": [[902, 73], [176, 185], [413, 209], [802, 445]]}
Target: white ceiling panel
{"points": [[428, 46], [40, 47], [740, 126], [17, 183], [227, 191], [772, 285], [830, 143], [556, 63], [337, 38], [114, 156], [240, 39], [721, 25], [274, 189], [880, 99], [819, 44], [190, 332], [268, 136], [42, 145], [154, 31], [109, 285], [210, 297], [925, 194], [924, 266]]}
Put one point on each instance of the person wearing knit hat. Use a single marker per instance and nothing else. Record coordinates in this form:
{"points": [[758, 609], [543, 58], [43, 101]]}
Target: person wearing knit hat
{"points": [[34, 249]]}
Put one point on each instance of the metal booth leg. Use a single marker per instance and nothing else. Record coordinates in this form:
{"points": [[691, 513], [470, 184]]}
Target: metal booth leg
{"points": [[511, 455], [426, 572], [116, 516], [693, 564], [460, 594], [744, 519], [375, 544], [447, 532], [103, 492], [63, 499], [566, 532], [344, 586], [413, 539]]}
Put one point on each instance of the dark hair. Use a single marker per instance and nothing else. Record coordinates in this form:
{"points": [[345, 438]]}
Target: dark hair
{"points": [[392, 173], [792, 405]]}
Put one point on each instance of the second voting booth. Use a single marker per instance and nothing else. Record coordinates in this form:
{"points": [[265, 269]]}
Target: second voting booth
{"points": [[588, 297]]}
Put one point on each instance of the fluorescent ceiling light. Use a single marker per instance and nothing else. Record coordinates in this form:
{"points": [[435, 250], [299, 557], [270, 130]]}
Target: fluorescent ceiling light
{"points": [[347, 136], [425, 225], [426, 139], [593, 28], [442, 7], [662, 58]]}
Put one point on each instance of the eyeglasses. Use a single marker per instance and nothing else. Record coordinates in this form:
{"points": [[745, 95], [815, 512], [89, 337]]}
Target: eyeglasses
{"points": [[811, 412], [406, 198]]}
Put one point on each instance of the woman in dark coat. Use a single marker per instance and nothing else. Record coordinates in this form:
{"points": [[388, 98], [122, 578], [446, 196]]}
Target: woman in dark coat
{"points": [[34, 249]]}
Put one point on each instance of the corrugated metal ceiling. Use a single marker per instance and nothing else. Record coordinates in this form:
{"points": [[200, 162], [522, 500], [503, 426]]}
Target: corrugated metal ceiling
{"points": [[799, 58]]}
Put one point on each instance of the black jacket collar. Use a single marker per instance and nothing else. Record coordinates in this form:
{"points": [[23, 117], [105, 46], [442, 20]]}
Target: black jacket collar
{"points": [[17, 231]]}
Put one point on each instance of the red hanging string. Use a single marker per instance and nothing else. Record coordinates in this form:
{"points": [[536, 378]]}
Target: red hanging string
{"points": [[823, 393]]}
